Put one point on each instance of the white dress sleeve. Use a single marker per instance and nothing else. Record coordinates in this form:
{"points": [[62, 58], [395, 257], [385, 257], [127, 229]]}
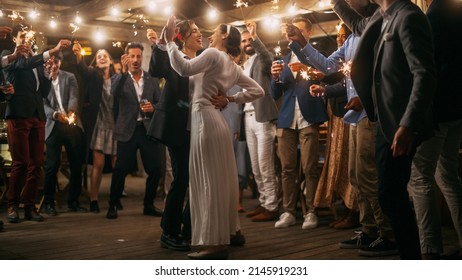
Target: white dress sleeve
{"points": [[252, 91], [189, 67]]}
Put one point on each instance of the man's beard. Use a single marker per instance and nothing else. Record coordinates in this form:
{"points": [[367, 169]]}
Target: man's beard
{"points": [[250, 51]]}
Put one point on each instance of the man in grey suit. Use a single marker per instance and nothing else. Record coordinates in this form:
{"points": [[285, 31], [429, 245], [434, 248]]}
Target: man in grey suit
{"points": [[63, 127], [135, 92], [260, 129], [394, 74]]}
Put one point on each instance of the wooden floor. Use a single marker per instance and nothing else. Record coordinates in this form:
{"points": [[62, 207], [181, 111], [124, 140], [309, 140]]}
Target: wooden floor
{"points": [[71, 236]]}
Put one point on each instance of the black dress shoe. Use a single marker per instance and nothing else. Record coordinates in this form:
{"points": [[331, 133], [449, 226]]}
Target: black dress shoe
{"points": [[30, 213], [50, 210], [74, 206], [236, 240], [174, 242], [12, 216], [152, 210], [112, 212]]}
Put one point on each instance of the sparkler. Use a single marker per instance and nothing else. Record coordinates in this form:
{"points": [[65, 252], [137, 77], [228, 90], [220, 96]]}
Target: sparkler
{"points": [[74, 27], [117, 44], [240, 4], [71, 119], [345, 68], [277, 50], [306, 74], [15, 15]]}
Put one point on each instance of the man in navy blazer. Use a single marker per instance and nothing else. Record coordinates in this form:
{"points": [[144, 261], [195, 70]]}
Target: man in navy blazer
{"points": [[135, 92], [63, 128], [298, 123], [26, 120], [394, 74]]}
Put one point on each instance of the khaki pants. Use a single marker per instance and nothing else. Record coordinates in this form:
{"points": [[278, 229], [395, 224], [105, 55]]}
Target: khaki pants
{"points": [[288, 140]]}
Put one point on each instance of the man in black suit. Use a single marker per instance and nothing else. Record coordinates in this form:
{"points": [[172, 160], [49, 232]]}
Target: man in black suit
{"points": [[26, 120], [63, 128], [394, 74], [169, 125], [135, 92]]}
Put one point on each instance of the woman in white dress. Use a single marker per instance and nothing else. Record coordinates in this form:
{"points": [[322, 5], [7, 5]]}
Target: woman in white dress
{"points": [[212, 166]]}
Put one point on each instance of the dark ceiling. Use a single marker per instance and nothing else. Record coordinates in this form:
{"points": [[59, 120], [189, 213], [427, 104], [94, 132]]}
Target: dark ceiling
{"points": [[134, 17]]}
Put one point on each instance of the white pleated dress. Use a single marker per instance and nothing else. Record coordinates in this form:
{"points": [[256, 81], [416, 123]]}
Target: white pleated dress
{"points": [[212, 167]]}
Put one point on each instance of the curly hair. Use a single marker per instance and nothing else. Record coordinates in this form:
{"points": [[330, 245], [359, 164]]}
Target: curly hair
{"points": [[233, 41]]}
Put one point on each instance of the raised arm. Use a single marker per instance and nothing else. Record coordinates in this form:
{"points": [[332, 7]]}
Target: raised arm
{"points": [[350, 17]]}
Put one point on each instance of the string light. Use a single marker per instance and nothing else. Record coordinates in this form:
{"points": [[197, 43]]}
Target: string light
{"points": [[168, 10], [99, 36], [53, 24], [152, 5], [115, 11], [78, 19], [212, 14], [34, 14]]}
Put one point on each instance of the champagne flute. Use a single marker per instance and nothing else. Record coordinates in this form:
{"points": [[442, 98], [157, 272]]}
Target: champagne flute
{"points": [[142, 103]]}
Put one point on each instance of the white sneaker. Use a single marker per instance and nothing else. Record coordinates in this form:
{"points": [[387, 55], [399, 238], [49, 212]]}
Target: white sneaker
{"points": [[285, 220], [311, 221]]}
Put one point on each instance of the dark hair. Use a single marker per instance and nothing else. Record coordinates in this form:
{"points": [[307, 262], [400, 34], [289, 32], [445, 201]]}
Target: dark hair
{"points": [[233, 41], [185, 30], [133, 45], [19, 28], [99, 70], [307, 22], [346, 28]]}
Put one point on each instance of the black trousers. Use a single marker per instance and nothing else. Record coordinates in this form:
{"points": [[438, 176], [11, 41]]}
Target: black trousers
{"points": [[71, 137], [126, 157], [393, 175], [176, 214]]}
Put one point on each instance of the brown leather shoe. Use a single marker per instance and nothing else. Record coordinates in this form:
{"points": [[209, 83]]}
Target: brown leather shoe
{"points": [[12, 216], [338, 221], [31, 214], [255, 212], [351, 221], [266, 216]]}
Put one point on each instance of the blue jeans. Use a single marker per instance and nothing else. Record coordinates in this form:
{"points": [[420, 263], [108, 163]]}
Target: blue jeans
{"points": [[436, 163]]}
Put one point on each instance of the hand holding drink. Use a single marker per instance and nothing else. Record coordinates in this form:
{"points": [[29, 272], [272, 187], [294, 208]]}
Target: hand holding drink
{"points": [[146, 107], [6, 87], [276, 69]]}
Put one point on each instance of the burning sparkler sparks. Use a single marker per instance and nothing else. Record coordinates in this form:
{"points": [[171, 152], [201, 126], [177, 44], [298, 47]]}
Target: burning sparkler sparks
{"points": [[15, 15], [240, 4], [117, 44], [306, 74], [71, 119], [346, 68], [277, 50]]}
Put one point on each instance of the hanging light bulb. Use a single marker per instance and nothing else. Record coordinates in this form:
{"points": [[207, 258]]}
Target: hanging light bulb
{"points": [[53, 23], [212, 14], [152, 5], [115, 11], [34, 14]]}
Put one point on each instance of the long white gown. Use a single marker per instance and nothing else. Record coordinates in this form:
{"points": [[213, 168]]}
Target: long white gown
{"points": [[212, 167]]}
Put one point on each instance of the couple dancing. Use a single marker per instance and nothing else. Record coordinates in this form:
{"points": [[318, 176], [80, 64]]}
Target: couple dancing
{"points": [[212, 167]]}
